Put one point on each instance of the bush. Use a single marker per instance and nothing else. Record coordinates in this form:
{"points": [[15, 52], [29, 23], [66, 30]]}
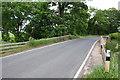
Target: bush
{"points": [[115, 36], [115, 41], [112, 46], [73, 37]]}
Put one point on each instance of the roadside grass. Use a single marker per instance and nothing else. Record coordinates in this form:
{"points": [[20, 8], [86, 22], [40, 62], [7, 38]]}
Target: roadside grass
{"points": [[16, 51], [99, 72], [85, 36], [39, 43], [113, 46]]}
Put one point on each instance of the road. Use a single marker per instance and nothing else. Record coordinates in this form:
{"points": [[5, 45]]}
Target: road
{"points": [[57, 61]]}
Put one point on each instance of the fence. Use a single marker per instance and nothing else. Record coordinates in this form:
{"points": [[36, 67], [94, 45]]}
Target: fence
{"points": [[10, 46]]}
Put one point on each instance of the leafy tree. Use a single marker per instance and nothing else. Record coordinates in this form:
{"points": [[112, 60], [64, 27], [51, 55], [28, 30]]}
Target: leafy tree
{"points": [[5, 22], [103, 22], [79, 16], [40, 24], [14, 17]]}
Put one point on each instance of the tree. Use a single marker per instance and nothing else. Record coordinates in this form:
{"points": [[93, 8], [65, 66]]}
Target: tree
{"points": [[40, 25], [35, 19], [79, 18], [14, 16], [103, 22], [5, 22]]}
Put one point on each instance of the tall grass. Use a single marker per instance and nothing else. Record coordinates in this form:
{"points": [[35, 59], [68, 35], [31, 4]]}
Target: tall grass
{"points": [[41, 42], [99, 72], [112, 46]]}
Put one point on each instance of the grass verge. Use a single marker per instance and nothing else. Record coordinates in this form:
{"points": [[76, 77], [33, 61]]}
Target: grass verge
{"points": [[98, 72], [39, 43]]}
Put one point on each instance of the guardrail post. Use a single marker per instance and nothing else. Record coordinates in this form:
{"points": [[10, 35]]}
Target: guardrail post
{"points": [[107, 62]]}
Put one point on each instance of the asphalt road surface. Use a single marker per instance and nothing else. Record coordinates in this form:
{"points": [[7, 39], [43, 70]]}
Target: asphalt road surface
{"points": [[57, 61]]}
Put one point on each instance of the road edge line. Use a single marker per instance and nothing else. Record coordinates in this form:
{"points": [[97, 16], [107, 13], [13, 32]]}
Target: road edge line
{"points": [[83, 64]]}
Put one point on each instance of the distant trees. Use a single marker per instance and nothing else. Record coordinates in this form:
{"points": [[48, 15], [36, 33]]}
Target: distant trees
{"points": [[104, 22]]}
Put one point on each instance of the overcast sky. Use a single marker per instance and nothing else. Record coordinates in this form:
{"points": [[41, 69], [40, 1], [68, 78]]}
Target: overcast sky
{"points": [[103, 4]]}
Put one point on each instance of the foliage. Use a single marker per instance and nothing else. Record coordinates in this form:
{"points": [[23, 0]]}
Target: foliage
{"points": [[41, 42], [35, 19], [38, 20], [14, 16], [104, 22], [113, 46], [11, 38], [115, 36]]}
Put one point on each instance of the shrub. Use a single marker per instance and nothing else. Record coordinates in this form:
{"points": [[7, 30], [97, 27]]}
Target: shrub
{"points": [[115, 36], [41, 42], [112, 46]]}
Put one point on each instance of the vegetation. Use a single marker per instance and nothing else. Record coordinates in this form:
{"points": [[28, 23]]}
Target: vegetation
{"points": [[115, 36], [40, 20], [98, 72], [41, 42], [38, 43], [103, 22], [35, 19]]}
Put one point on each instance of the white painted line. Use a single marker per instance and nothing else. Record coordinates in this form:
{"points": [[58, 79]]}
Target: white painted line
{"points": [[36, 49], [83, 64]]}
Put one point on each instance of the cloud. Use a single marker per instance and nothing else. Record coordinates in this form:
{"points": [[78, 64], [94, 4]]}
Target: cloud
{"points": [[103, 4]]}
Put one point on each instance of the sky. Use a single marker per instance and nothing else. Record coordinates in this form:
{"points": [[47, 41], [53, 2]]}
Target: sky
{"points": [[103, 4]]}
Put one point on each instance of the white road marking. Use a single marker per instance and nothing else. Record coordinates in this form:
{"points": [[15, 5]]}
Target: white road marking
{"points": [[83, 64]]}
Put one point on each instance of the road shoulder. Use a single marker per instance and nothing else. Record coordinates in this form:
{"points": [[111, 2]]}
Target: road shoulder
{"points": [[94, 60]]}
